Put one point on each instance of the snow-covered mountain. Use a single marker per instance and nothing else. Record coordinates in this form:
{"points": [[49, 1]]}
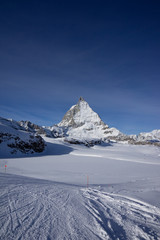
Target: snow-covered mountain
{"points": [[82, 125], [14, 139], [150, 136], [81, 115]]}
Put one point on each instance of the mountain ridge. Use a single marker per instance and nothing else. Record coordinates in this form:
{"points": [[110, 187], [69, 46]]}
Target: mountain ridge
{"points": [[80, 125]]}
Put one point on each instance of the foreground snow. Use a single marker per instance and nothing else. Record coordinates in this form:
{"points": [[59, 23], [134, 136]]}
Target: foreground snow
{"points": [[122, 201], [39, 209]]}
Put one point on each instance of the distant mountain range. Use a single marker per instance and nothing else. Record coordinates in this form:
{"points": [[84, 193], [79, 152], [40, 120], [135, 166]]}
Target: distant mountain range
{"points": [[80, 125]]}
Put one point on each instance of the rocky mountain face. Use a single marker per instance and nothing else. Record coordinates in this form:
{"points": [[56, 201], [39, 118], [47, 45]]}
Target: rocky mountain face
{"points": [[34, 128], [14, 139]]}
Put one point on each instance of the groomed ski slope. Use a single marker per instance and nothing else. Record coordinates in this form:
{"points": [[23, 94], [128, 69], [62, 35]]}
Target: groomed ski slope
{"points": [[39, 209], [121, 202]]}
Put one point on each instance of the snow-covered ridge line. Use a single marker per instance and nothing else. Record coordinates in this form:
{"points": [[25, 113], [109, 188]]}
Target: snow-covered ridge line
{"points": [[81, 125], [153, 135]]}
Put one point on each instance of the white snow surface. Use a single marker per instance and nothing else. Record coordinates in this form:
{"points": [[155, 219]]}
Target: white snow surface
{"points": [[47, 197]]}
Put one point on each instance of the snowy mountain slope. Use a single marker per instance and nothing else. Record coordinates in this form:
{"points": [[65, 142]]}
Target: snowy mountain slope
{"points": [[150, 136], [82, 125], [39, 209], [31, 127], [15, 140], [81, 114]]}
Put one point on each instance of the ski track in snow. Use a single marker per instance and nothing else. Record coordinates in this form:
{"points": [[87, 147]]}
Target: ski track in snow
{"points": [[120, 217], [40, 209]]}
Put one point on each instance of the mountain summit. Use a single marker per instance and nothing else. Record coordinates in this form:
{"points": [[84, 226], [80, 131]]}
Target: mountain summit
{"points": [[81, 114], [82, 125]]}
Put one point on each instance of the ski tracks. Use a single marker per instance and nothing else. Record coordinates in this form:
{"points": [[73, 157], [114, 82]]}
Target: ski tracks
{"points": [[120, 217], [43, 210]]}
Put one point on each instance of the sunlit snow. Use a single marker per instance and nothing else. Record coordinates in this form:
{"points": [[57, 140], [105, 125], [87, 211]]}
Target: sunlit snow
{"points": [[46, 197]]}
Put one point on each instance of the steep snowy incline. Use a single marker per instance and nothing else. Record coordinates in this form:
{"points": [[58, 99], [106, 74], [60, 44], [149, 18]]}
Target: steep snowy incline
{"points": [[82, 125], [39, 209], [81, 114]]}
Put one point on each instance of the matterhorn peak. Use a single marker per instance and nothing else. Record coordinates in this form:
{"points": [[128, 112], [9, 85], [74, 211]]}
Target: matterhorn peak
{"points": [[82, 102], [81, 99], [79, 115], [81, 124]]}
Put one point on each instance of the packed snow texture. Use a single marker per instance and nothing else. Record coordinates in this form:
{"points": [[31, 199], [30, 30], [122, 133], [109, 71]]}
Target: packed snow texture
{"points": [[39, 209], [120, 202]]}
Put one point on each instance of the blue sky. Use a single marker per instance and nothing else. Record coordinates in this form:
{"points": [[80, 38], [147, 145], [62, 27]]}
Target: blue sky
{"points": [[53, 52]]}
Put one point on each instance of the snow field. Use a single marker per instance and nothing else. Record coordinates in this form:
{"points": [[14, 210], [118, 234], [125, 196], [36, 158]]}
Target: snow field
{"points": [[40, 209], [122, 201]]}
